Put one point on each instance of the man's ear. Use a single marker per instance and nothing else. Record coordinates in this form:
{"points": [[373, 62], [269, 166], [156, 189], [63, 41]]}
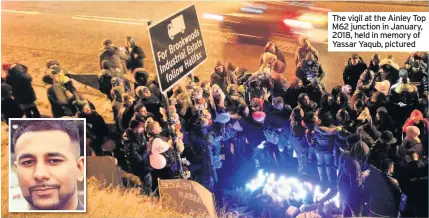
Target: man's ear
{"points": [[80, 168]]}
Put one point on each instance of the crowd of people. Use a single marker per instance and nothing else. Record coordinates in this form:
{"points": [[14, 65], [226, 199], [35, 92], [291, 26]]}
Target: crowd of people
{"points": [[218, 131]]}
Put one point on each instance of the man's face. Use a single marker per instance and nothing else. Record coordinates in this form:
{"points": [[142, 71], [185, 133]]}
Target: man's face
{"points": [[306, 100], [330, 101], [127, 43], [48, 170], [355, 61], [142, 112], [220, 69], [147, 93], [305, 43]]}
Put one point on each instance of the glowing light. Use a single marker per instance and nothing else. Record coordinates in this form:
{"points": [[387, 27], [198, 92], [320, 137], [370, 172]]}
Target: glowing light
{"points": [[298, 24], [212, 17], [252, 10], [314, 18], [261, 146]]}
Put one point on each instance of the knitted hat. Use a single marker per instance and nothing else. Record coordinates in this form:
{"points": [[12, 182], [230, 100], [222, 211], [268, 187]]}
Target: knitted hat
{"points": [[258, 116]]}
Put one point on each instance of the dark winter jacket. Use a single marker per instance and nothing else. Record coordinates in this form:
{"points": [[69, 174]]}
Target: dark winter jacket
{"points": [[114, 56], [96, 123], [307, 72], [351, 73], [223, 80], [253, 131], [59, 104], [366, 82], [141, 77], [132, 62], [152, 104], [20, 80], [350, 183], [387, 72], [10, 108], [325, 138], [125, 115], [291, 97], [301, 52], [136, 152]]}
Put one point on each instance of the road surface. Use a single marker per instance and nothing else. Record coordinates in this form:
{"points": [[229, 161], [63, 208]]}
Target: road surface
{"points": [[72, 33]]}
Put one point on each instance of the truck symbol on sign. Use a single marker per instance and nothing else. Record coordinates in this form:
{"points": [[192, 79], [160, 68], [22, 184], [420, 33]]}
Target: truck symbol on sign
{"points": [[176, 26]]}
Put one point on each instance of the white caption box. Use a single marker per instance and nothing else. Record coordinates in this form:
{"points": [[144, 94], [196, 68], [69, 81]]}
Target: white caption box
{"points": [[378, 31]]}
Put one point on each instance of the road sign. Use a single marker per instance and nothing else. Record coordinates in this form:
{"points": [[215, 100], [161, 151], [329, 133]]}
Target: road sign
{"points": [[177, 47]]}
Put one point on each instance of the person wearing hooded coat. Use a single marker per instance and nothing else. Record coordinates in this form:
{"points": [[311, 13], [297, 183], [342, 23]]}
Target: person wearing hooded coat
{"points": [[328, 104], [306, 104], [22, 89], [384, 148], [374, 63], [417, 73], [141, 77], [10, 107], [351, 178], [378, 99], [137, 154], [293, 91], [353, 70], [273, 49], [366, 82], [304, 49], [416, 119], [222, 77], [125, 114], [150, 101], [389, 70], [57, 98], [298, 140], [95, 124], [105, 79], [325, 145], [383, 121], [113, 55], [308, 69], [135, 54]]}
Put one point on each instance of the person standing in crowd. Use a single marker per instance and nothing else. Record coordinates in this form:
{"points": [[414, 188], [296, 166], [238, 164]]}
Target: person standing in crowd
{"points": [[95, 124], [328, 105], [137, 154], [383, 121], [298, 140], [351, 178], [267, 62], [22, 89], [293, 91], [273, 49], [366, 83], [105, 78], [417, 72], [324, 138], [384, 148], [141, 78], [222, 77], [304, 49], [387, 169], [135, 54], [150, 101], [10, 107], [378, 99], [374, 63], [416, 187], [57, 98], [308, 69], [113, 55], [279, 80], [126, 112], [389, 71], [416, 119], [306, 104], [353, 69]]}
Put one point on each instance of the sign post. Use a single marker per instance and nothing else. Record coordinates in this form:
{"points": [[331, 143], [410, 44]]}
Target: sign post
{"points": [[178, 48]]}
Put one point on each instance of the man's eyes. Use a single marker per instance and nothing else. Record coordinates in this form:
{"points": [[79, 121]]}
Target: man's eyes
{"points": [[50, 161]]}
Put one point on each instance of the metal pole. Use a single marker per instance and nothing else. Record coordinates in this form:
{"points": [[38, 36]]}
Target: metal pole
{"points": [[173, 135]]}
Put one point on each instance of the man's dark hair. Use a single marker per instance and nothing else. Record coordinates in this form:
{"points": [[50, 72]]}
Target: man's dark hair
{"points": [[67, 126], [385, 165], [138, 107]]}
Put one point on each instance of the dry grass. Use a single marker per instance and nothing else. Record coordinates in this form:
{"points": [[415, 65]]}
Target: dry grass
{"points": [[102, 201]]}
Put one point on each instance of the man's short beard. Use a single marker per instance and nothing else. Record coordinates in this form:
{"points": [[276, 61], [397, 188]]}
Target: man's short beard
{"points": [[62, 200]]}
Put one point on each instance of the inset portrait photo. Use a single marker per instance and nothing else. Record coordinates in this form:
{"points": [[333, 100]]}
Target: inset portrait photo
{"points": [[47, 166]]}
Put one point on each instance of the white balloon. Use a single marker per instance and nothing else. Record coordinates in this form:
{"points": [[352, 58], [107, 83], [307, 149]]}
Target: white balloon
{"points": [[157, 161], [159, 146]]}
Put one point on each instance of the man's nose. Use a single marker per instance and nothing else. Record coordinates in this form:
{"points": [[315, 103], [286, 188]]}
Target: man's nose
{"points": [[41, 172]]}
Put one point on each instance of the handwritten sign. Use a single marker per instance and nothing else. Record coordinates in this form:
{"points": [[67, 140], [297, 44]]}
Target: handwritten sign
{"points": [[187, 197]]}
